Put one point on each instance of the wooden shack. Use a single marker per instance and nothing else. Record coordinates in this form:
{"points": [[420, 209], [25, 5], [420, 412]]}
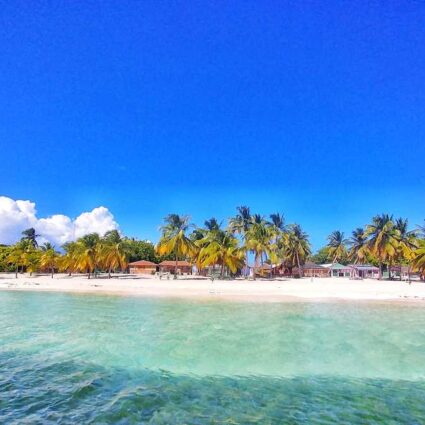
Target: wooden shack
{"points": [[183, 267], [363, 271], [142, 267], [310, 269]]}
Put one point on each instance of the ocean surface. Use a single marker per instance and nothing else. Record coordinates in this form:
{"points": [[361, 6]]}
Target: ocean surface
{"points": [[83, 359]]}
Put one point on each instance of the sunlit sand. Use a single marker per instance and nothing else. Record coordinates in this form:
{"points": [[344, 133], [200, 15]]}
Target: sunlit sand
{"points": [[279, 290]]}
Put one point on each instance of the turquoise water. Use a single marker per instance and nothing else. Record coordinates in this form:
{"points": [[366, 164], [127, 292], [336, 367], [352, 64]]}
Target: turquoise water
{"points": [[98, 359]]}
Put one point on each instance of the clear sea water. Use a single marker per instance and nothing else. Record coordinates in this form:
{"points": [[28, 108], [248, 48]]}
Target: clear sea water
{"points": [[77, 359]]}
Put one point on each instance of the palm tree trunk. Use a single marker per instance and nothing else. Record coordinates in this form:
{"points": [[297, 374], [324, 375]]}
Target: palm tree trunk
{"points": [[222, 270], [380, 271], [109, 273], [271, 270], [175, 268], [52, 270], [16, 272], [300, 271]]}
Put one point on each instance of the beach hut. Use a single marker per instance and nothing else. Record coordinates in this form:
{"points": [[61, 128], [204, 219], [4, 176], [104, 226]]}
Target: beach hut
{"points": [[312, 270], [364, 271], [183, 267], [403, 273], [338, 270], [142, 267], [266, 270]]}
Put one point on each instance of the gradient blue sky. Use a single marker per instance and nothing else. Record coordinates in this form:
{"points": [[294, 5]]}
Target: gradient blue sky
{"points": [[314, 109]]}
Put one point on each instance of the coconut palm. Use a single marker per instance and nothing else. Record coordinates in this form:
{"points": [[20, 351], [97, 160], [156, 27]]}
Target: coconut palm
{"points": [[16, 257], [358, 246], [297, 247], [113, 252], [259, 240], [240, 224], [24, 255], [418, 262], [174, 240], [69, 261], [31, 236], [220, 247], [212, 224], [87, 253], [421, 230], [407, 243], [382, 240], [337, 245], [49, 258]]}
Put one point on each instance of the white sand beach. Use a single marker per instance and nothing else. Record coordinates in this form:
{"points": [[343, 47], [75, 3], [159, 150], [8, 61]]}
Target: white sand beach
{"points": [[193, 287]]}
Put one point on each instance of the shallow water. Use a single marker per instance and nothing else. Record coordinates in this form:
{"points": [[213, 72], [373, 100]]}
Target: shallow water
{"points": [[99, 359]]}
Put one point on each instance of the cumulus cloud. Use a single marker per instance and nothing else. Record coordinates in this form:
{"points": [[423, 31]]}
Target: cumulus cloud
{"points": [[16, 216]]}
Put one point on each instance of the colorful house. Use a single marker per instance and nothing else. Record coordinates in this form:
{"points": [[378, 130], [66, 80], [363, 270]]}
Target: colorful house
{"points": [[338, 270], [312, 270], [142, 267], [364, 271], [183, 267]]}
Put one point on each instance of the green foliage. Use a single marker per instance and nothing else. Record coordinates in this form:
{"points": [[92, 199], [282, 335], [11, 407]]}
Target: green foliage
{"points": [[384, 242], [141, 250], [321, 256]]}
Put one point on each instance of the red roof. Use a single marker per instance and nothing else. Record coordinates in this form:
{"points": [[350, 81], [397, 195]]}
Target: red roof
{"points": [[173, 263], [142, 263]]}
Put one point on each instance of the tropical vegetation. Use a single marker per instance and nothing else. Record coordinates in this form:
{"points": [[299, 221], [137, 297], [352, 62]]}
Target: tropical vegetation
{"points": [[248, 243]]}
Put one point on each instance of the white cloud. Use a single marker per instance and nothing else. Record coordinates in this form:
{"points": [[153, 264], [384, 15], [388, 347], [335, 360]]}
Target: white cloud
{"points": [[16, 216]]}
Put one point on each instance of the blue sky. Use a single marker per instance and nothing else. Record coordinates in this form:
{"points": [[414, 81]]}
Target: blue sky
{"points": [[312, 109]]}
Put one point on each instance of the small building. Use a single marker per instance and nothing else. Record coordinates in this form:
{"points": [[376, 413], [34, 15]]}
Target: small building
{"points": [[364, 271], [310, 269], [266, 270], [142, 267], [404, 273], [183, 267], [338, 270]]}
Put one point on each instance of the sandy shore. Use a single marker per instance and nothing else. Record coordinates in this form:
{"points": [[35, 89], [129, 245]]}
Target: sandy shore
{"points": [[238, 290]]}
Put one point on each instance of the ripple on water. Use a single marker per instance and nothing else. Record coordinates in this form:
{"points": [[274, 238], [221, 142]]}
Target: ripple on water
{"points": [[80, 393], [81, 359]]}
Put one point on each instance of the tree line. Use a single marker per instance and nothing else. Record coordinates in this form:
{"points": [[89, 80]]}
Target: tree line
{"points": [[384, 242]]}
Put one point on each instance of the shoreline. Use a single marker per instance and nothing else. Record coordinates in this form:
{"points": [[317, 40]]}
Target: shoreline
{"points": [[238, 290]]}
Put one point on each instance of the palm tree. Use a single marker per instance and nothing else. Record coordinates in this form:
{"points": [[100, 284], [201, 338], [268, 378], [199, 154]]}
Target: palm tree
{"points": [[337, 245], [297, 247], [240, 224], [407, 243], [277, 221], [49, 258], [174, 240], [23, 255], [31, 236], [212, 224], [358, 246], [87, 253], [382, 240], [113, 251], [421, 230], [16, 257], [220, 247], [418, 261], [259, 240], [69, 261]]}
